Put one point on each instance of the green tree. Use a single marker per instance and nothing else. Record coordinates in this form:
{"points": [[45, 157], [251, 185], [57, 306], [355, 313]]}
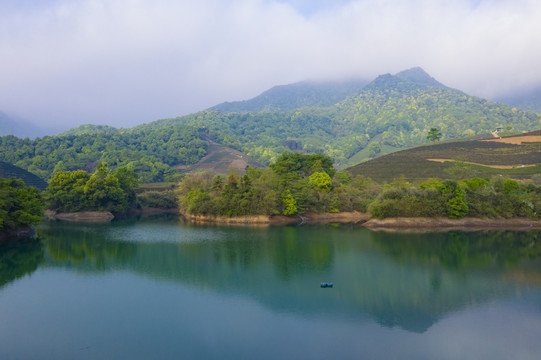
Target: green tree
{"points": [[320, 181], [434, 134], [289, 202]]}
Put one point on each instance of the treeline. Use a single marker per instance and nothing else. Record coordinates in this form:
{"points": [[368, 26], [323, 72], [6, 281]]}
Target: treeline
{"points": [[476, 197], [297, 184], [149, 153]]}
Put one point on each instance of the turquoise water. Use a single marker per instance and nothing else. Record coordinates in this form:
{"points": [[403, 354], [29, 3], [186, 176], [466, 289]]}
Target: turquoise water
{"points": [[157, 288]]}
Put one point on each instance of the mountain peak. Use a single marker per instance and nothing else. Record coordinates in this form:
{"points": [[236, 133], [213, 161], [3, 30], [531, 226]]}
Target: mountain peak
{"points": [[419, 76]]}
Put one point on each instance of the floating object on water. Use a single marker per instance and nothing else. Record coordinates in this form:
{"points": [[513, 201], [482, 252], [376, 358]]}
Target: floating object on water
{"points": [[326, 285]]}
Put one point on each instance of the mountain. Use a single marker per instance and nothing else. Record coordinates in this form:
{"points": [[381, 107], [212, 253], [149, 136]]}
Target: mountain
{"points": [[527, 100], [516, 156], [10, 125], [391, 113], [419, 76], [294, 96], [8, 171]]}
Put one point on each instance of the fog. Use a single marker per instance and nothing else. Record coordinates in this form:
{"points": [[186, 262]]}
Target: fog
{"points": [[125, 62]]}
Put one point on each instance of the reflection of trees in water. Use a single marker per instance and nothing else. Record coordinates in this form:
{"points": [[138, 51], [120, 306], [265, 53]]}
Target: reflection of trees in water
{"points": [[18, 259], [292, 254], [92, 247], [406, 280], [458, 249]]}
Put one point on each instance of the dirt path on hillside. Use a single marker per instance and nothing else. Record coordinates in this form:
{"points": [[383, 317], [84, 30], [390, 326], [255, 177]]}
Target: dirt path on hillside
{"points": [[490, 166], [517, 140]]}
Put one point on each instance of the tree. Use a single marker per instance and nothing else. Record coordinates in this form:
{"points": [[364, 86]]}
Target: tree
{"points": [[290, 203], [321, 181], [434, 134]]}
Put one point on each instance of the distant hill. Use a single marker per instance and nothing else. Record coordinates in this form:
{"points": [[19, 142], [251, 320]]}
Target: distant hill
{"points": [[18, 127], [8, 171], [515, 156], [89, 129], [527, 101], [295, 96]]}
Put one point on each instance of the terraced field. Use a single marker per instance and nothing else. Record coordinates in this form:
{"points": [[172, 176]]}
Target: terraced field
{"points": [[515, 156], [8, 171]]}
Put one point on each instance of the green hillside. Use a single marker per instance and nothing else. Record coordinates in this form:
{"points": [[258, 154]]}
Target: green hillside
{"points": [[295, 96], [514, 156], [150, 153], [389, 114], [8, 171]]}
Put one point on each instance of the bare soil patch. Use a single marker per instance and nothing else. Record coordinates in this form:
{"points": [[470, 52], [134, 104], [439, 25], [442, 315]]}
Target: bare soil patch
{"points": [[517, 140]]}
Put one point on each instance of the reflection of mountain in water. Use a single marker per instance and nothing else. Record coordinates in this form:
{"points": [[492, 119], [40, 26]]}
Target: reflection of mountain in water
{"points": [[410, 281]]}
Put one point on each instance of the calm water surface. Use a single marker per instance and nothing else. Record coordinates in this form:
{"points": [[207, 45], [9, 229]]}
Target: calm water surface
{"points": [[159, 288]]}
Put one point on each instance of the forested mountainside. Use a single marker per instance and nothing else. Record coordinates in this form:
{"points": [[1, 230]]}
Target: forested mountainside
{"points": [[295, 96], [390, 113], [393, 112], [150, 153]]}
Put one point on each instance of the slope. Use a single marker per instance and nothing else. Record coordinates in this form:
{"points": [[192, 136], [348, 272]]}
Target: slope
{"points": [[389, 114], [8, 171], [515, 156], [295, 96], [14, 126]]}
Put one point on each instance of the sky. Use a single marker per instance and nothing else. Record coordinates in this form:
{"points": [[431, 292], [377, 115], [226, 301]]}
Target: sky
{"points": [[126, 62]]}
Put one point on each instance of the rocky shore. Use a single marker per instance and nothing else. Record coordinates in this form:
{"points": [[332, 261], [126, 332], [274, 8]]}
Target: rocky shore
{"points": [[341, 217], [83, 216], [445, 224]]}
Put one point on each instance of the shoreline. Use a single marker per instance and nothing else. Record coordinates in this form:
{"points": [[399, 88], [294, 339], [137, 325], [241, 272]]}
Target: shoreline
{"points": [[266, 220], [353, 217], [446, 224]]}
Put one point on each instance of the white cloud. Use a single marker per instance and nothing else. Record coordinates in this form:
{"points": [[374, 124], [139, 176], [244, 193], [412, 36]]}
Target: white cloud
{"points": [[129, 61]]}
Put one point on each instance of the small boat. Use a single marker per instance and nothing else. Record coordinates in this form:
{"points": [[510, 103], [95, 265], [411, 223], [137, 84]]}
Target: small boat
{"points": [[326, 284]]}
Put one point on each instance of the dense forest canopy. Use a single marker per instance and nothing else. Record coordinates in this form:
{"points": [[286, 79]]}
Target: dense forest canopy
{"points": [[393, 112], [388, 114], [297, 184], [20, 205], [149, 153], [70, 191]]}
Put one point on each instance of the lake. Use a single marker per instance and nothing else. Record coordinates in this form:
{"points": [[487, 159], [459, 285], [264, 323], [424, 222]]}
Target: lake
{"points": [[157, 288]]}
